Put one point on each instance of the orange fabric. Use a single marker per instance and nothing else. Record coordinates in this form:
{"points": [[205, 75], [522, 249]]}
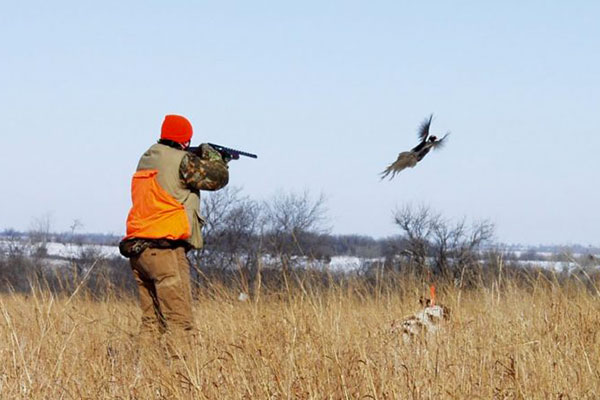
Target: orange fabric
{"points": [[176, 128], [155, 214]]}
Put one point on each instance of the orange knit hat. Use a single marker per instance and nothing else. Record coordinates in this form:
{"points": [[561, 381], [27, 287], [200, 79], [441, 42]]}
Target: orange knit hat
{"points": [[176, 128]]}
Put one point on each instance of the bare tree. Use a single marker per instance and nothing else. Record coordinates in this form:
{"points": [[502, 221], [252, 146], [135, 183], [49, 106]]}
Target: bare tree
{"points": [[291, 220], [445, 238], [216, 206], [14, 245], [230, 230], [75, 226], [452, 248], [457, 246], [466, 249], [291, 211], [39, 234], [417, 226]]}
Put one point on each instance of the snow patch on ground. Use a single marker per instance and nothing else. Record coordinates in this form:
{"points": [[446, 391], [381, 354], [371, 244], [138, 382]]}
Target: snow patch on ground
{"points": [[63, 250], [344, 263], [60, 253], [74, 251]]}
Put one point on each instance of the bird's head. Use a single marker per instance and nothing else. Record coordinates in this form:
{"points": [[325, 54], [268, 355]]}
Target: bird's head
{"points": [[432, 138]]}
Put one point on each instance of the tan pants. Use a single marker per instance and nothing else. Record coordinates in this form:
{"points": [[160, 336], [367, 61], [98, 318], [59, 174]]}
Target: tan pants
{"points": [[163, 279]]}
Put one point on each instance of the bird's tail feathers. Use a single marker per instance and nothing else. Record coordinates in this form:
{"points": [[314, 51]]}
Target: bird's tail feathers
{"points": [[389, 170]]}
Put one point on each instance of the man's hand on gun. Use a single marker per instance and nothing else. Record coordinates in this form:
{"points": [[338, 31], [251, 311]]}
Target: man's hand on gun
{"points": [[207, 152]]}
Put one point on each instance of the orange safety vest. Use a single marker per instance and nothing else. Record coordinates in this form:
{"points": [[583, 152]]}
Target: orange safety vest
{"points": [[155, 214]]}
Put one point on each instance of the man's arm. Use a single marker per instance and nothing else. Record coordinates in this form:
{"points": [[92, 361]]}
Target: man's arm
{"points": [[208, 173]]}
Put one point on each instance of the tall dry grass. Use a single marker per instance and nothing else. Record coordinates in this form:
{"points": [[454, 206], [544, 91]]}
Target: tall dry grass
{"points": [[541, 341]]}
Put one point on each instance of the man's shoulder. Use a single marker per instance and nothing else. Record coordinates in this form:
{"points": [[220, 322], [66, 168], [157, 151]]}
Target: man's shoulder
{"points": [[164, 150], [159, 154]]}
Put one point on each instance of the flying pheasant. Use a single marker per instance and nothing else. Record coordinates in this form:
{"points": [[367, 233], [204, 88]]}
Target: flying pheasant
{"points": [[410, 158]]}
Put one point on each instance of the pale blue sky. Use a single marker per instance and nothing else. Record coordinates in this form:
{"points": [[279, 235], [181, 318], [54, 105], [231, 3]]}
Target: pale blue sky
{"points": [[327, 93]]}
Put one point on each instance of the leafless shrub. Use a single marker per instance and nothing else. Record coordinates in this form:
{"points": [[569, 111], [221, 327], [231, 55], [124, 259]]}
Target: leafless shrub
{"points": [[417, 226], [355, 245], [15, 272], [435, 244], [14, 244], [290, 223], [39, 234], [231, 226]]}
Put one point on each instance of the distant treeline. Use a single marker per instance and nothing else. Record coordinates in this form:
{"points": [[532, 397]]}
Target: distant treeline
{"points": [[296, 224], [105, 239], [100, 277], [247, 241]]}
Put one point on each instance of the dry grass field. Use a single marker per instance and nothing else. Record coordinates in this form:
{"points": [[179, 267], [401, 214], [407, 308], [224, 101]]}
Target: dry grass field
{"points": [[542, 342]]}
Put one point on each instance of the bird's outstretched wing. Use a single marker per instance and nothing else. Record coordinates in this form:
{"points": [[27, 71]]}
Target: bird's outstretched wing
{"points": [[424, 128], [406, 159], [439, 144]]}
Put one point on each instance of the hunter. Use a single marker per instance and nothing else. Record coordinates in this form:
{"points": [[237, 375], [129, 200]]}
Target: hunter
{"points": [[164, 223]]}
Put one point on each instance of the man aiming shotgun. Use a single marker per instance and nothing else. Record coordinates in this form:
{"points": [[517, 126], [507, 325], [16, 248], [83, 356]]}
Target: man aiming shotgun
{"points": [[164, 222]]}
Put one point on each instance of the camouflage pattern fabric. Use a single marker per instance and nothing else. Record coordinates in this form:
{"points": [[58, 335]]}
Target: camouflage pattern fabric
{"points": [[135, 246], [207, 173], [209, 152], [132, 247]]}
